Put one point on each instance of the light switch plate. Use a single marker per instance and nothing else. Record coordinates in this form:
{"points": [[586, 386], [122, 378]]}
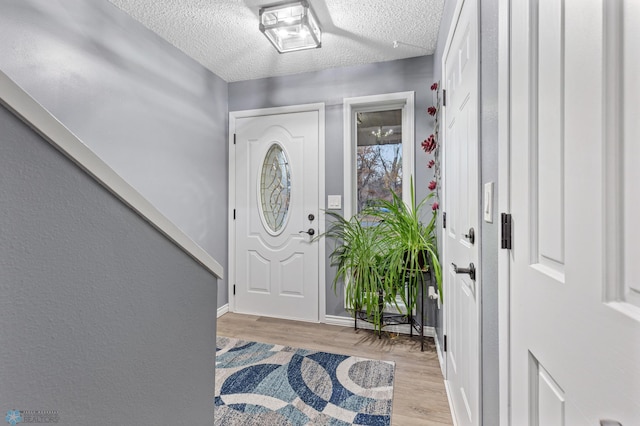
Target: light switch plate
{"points": [[334, 202], [487, 208]]}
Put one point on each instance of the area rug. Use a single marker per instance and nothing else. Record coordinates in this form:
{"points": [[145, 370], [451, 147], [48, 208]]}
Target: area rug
{"points": [[265, 384]]}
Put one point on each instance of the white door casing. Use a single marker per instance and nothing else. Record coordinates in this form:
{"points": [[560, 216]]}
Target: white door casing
{"points": [[404, 101], [400, 100], [574, 197], [277, 270], [461, 205]]}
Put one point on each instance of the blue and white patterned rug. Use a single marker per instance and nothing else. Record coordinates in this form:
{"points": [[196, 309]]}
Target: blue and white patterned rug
{"points": [[264, 384]]}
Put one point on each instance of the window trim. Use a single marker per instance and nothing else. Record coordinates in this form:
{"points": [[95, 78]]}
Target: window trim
{"points": [[351, 106]]}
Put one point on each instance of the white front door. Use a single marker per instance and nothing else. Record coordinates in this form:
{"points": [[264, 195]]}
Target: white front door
{"points": [[575, 204], [276, 208], [462, 290]]}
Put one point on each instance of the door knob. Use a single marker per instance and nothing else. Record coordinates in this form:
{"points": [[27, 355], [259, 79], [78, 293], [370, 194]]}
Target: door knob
{"points": [[471, 236], [471, 270], [310, 232]]}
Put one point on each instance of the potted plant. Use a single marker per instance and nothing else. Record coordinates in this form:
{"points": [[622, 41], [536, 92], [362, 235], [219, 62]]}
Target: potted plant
{"points": [[382, 253], [358, 258], [411, 246]]}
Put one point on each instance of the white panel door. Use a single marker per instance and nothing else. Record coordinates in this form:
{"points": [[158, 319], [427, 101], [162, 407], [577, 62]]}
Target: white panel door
{"points": [[575, 202], [462, 291], [277, 209]]}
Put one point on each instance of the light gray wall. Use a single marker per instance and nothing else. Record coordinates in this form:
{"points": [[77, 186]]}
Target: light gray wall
{"points": [[157, 117], [488, 10], [489, 169], [102, 318], [331, 87]]}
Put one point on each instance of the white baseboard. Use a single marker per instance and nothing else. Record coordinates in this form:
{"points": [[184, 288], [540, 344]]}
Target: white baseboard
{"points": [[337, 320], [440, 355], [453, 413], [223, 310], [348, 322]]}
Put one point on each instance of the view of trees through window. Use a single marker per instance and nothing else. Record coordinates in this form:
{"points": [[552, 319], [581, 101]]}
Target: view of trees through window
{"points": [[379, 156]]}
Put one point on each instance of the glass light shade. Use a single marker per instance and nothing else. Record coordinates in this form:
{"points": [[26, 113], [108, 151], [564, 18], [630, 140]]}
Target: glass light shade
{"points": [[290, 26]]}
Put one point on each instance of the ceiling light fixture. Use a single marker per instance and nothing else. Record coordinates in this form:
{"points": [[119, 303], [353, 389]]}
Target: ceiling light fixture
{"points": [[290, 26]]}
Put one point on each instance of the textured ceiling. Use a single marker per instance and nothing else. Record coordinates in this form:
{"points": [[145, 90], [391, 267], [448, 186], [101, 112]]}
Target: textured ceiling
{"points": [[223, 35]]}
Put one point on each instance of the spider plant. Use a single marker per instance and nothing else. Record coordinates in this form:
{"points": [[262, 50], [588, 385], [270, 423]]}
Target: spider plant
{"points": [[358, 258], [380, 251], [411, 246]]}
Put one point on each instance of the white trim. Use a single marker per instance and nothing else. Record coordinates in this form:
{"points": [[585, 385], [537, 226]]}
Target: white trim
{"points": [[443, 174], [231, 240], [402, 328], [52, 130], [235, 115], [341, 321], [504, 120], [452, 27], [402, 100], [479, 284], [322, 280], [453, 414], [223, 310]]}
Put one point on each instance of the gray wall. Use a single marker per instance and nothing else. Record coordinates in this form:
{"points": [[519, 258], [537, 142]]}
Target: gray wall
{"points": [[488, 10], [489, 169], [157, 117], [331, 87], [102, 318]]}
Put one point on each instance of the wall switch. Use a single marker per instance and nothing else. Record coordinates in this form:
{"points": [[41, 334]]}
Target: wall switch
{"points": [[487, 208], [334, 202]]}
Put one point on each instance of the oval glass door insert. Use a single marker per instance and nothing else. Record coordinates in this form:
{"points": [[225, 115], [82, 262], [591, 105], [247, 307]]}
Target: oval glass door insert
{"points": [[275, 189]]}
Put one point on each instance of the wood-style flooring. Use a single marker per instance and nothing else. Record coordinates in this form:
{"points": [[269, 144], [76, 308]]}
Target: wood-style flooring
{"points": [[419, 393]]}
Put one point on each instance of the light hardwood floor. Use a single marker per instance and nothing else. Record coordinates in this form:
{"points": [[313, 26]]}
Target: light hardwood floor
{"points": [[419, 394]]}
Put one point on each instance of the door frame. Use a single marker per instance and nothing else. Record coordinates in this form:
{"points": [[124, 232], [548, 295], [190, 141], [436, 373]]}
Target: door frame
{"points": [[404, 101], [235, 115], [397, 100], [443, 136], [503, 194]]}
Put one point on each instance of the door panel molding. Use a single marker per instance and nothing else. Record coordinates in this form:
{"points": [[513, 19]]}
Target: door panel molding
{"points": [[550, 376], [621, 154]]}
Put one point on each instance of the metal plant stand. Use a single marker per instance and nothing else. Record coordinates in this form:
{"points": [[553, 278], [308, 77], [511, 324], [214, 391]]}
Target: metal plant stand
{"points": [[389, 318]]}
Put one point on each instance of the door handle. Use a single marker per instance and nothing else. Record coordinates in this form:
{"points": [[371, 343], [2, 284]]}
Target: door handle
{"points": [[471, 236], [471, 270], [310, 232]]}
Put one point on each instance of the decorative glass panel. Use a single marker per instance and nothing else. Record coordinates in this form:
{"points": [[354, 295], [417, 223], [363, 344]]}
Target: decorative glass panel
{"points": [[275, 188]]}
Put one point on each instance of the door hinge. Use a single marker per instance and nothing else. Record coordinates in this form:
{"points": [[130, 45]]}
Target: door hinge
{"points": [[234, 289], [445, 342], [507, 231], [234, 214], [444, 220], [444, 97], [234, 138]]}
